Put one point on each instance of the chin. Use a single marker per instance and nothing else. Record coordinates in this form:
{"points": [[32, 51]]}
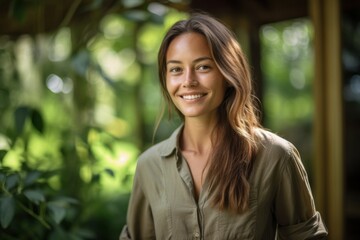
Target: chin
{"points": [[191, 115]]}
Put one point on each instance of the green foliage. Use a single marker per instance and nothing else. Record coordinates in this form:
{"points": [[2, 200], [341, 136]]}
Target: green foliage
{"points": [[75, 112], [287, 66], [287, 70], [28, 200]]}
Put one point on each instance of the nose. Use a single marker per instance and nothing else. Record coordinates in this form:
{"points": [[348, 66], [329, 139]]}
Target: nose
{"points": [[190, 79]]}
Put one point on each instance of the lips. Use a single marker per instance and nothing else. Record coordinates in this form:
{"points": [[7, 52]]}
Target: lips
{"points": [[192, 96]]}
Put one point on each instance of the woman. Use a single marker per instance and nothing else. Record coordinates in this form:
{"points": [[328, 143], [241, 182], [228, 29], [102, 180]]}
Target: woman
{"points": [[220, 175]]}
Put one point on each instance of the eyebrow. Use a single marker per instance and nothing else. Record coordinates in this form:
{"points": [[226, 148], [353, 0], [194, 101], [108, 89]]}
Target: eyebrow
{"points": [[195, 61]]}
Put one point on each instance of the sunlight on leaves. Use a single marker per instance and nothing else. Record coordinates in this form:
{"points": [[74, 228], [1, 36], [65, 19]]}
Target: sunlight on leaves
{"points": [[148, 42], [77, 111], [112, 26], [61, 47], [115, 64], [287, 68]]}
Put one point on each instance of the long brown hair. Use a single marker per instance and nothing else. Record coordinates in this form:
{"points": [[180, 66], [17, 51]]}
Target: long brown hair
{"points": [[231, 159]]}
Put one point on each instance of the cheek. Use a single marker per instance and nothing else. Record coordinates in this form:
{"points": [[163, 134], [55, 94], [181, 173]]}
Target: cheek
{"points": [[170, 85]]}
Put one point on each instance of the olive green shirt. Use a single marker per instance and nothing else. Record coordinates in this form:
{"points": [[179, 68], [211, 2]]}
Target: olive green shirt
{"points": [[162, 204]]}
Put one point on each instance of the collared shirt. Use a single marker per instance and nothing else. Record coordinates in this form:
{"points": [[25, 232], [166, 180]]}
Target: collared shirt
{"points": [[162, 204]]}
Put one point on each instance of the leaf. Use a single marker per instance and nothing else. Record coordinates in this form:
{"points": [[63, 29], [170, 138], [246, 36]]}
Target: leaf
{"points": [[36, 196], [2, 154], [11, 181], [57, 211], [21, 113], [37, 120], [110, 172], [7, 211], [31, 177], [136, 15], [132, 3], [95, 178], [2, 177], [154, 18]]}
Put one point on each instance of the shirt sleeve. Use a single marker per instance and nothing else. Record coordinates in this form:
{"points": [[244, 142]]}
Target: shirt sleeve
{"points": [[295, 210], [140, 223]]}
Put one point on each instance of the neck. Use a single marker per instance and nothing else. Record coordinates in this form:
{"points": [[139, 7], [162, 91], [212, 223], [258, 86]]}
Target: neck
{"points": [[196, 135]]}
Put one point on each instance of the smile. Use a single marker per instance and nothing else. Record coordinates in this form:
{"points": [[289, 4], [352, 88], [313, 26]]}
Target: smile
{"points": [[192, 97]]}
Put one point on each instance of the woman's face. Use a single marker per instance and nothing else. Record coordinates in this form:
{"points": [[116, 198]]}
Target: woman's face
{"points": [[193, 80]]}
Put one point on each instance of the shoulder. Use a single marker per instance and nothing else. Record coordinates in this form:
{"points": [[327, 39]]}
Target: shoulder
{"points": [[154, 155], [275, 159], [152, 163], [271, 142], [275, 152]]}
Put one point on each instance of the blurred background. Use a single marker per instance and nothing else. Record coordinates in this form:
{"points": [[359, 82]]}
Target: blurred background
{"points": [[79, 99]]}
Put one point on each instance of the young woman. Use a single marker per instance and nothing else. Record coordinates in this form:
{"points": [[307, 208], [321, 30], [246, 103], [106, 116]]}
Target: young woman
{"points": [[220, 175]]}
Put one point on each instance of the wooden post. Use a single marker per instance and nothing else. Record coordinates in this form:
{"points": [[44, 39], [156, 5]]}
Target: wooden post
{"points": [[328, 125]]}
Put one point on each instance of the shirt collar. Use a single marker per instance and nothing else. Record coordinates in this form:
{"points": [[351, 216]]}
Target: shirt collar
{"points": [[171, 144]]}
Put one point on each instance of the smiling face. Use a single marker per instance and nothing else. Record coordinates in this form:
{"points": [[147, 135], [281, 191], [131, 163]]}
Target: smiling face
{"points": [[193, 80]]}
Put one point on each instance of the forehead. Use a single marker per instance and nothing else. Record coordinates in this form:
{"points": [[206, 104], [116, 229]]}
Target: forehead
{"points": [[188, 44]]}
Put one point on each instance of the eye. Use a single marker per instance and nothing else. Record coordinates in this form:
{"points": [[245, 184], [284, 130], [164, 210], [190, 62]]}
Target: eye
{"points": [[203, 67], [175, 69]]}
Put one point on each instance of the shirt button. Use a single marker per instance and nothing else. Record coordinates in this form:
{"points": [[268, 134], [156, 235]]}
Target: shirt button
{"points": [[196, 235]]}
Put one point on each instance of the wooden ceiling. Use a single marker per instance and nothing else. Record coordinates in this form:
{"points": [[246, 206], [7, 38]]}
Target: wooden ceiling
{"points": [[257, 11], [36, 16], [31, 17]]}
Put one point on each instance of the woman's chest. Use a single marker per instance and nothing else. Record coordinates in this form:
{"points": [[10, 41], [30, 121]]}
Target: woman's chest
{"points": [[178, 216]]}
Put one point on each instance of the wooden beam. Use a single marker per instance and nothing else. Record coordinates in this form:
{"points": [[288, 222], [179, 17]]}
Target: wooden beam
{"points": [[328, 126]]}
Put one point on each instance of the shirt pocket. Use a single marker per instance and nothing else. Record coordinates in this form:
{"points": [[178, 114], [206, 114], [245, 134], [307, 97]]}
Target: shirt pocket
{"points": [[242, 225]]}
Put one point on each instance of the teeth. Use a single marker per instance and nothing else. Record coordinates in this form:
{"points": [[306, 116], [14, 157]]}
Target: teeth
{"points": [[192, 97]]}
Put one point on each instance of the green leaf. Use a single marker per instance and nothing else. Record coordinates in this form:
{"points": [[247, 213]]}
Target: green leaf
{"points": [[11, 181], [2, 154], [136, 15], [2, 177], [7, 211], [37, 120], [36, 196], [57, 211], [31, 177], [95, 178], [110, 172], [132, 3], [154, 18], [21, 113]]}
